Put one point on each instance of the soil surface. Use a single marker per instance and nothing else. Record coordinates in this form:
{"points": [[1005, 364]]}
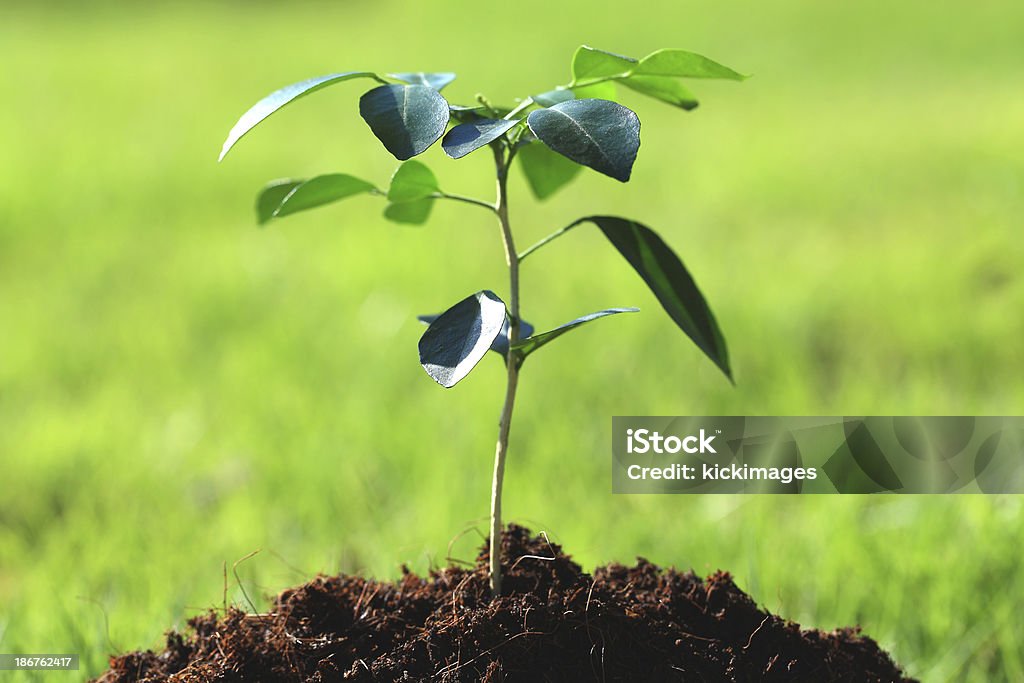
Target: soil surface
{"points": [[553, 623]]}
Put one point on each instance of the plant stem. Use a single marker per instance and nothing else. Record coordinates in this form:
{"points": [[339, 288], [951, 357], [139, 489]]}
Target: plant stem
{"points": [[501, 162]]}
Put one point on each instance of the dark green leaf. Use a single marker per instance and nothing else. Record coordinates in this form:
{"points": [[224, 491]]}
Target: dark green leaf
{"points": [[589, 63], [406, 118], [531, 344], [271, 196], [500, 343], [546, 172], [279, 98], [597, 133], [668, 278], [321, 190], [412, 181], [437, 81], [663, 88], [410, 213], [683, 64], [465, 138], [457, 340]]}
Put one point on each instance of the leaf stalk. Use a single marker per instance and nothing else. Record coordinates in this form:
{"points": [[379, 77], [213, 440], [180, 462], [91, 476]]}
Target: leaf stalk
{"points": [[520, 107], [550, 238], [468, 200]]}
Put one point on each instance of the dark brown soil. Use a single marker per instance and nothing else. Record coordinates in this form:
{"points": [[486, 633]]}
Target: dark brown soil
{"points": [[553, 623]]}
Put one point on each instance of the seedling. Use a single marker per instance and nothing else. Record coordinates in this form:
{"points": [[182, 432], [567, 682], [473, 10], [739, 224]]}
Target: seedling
{"points": [[551, 135]]}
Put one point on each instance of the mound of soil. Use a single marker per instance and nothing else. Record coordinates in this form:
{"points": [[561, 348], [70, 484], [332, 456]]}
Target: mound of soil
{"points": [[553, 623]]}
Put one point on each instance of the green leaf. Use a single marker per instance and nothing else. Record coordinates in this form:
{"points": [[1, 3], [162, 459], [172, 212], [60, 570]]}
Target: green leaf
{"points": [[468, 137], [597, 133], [589, 63], [602, 91], [410, 213], [683, 64], [663, 88], [455, 342], [500, 343], [437, 81], [279, 98], [406, 118], [531, 344], [651, 75], [464, 114], [412, 181], [546, 172], [271, 196], [553, 97], [668, 278], [322, 190]]}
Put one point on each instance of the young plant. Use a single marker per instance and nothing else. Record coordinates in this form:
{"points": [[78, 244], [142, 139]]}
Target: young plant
{"points": [[550, 134]]}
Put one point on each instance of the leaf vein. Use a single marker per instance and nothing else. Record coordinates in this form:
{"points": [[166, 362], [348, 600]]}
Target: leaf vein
{"points": [[588, 135]]}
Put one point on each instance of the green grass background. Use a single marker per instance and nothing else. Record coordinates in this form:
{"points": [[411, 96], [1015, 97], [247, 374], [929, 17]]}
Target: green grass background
{"points": [[179, 388]]}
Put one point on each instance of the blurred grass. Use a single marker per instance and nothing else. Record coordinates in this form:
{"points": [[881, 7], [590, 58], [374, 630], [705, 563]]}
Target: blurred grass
{"points": [[178, 388]]}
